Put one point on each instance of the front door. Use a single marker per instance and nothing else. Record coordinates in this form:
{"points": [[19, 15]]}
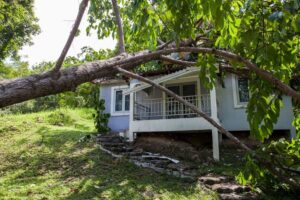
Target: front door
{"points": [[174, 109]]}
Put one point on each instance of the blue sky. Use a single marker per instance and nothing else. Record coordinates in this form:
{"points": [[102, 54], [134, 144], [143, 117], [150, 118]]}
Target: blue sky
{"points": [[56, 18]]}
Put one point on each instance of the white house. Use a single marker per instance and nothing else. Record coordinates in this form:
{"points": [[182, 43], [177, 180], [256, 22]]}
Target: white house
{"points": [[140, 108]]}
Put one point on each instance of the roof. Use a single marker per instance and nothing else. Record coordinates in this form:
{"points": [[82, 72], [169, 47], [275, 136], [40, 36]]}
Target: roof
{"points": [[164, 78]]}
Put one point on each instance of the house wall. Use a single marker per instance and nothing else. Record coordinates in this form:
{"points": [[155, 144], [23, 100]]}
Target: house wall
{"points": [[235, 119], [116, 123]]}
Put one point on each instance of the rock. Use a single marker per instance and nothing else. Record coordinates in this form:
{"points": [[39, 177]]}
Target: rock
{"points": [[148, 194], [172, 166], [223, 188], [229, 187], [211, 180], [234, 196]]}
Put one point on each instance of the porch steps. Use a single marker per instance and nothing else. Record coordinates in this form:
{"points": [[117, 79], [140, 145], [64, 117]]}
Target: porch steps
{"points": [[226, 187]]}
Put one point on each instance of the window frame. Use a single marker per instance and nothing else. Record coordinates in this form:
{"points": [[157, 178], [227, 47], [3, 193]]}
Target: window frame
{"points": [[236, 96], [113, 101]]}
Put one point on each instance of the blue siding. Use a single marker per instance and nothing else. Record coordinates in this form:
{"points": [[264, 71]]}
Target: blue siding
{"points": [[234, 119], [116, 123]]}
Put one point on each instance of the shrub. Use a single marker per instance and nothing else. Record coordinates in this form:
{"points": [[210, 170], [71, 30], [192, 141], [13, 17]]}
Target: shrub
{"points": [[283, 156], [100, 117], [60, 118]]}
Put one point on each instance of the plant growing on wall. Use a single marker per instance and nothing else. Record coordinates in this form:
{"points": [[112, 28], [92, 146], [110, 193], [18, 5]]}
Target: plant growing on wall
{"points": [[100, 117]]}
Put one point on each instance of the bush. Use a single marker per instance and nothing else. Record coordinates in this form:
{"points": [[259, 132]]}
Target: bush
{"points": [[60, 118], [283, 156]]}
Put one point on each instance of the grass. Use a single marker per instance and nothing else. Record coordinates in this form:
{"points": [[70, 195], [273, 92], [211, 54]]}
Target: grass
{"points": [[40, 159]]}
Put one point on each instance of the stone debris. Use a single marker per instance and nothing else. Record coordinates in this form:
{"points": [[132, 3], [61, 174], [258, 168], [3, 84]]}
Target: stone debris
{"points": [[226, 187]]}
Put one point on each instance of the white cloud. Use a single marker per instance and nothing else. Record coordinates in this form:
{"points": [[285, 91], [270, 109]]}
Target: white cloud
{"points": [[56, 18]]}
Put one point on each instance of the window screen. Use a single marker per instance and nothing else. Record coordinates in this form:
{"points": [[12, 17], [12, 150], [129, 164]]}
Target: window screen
{"points": [[118, 100], [243, 90]]}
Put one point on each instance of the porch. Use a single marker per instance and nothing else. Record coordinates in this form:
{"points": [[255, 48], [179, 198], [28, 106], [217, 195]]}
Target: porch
{"points": [[151, 110], [169, 108]]}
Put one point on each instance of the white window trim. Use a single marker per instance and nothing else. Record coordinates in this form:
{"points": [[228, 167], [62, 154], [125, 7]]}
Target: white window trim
{"points": [[113, 98], [236, 101]]}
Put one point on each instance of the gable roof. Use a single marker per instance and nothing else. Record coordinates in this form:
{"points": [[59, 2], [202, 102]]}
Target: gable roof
{"points": [[164, 78]]}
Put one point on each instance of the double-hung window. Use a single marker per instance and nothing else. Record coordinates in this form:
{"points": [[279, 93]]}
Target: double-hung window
{"points": [[241, 91], [120, 102]]}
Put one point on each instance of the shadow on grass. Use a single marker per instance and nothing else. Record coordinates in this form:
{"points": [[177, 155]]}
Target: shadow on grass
{"points": [[87, 173]]}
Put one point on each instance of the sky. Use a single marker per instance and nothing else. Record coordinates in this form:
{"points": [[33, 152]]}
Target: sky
{"points": [[56, 18]]}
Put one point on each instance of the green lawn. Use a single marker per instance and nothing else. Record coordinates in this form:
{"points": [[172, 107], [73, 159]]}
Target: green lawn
{"points": [[41, 158]]}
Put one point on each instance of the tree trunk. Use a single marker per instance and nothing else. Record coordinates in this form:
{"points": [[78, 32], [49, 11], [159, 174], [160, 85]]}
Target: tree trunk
{"points": [[22, 89]]}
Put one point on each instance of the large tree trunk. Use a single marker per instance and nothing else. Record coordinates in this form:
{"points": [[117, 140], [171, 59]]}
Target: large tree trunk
{"points": [[22, 89]]}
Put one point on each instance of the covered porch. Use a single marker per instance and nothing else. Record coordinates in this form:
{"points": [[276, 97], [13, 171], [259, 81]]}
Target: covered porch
{"points": [[151, 110]]}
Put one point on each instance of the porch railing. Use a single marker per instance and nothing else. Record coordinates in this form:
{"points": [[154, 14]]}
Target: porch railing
{"points": [[169, 108]]}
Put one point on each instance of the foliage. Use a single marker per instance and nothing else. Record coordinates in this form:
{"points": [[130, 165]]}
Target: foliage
{"points": [[296, 123], [100, 117], [17, 26], [281, 153], [59, 118], [208, 70]]}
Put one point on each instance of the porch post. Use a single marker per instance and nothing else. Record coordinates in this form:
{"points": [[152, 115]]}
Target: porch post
{"points": [[214, 115], [215, 141], [131, 111], [164, 103]]}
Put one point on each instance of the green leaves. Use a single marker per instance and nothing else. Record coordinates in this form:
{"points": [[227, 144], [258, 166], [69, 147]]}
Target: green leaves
{"points": [[17, 26], [282, 155], [208, 70], [263, 109], [296, 124]]}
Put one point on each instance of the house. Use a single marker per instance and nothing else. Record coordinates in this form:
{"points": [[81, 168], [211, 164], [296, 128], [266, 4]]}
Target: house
{"points": [[140, 108]]}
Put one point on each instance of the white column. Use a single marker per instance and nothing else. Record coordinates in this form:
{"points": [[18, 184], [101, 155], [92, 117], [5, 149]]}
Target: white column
{"points": [[164, 103], [131, 111], [213, 104], [214, 115], [215, 141]]}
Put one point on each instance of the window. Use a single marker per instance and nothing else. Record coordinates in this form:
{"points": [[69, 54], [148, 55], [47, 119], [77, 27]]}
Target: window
{"points": [[243, 91], [240, 92], [120, 103]]}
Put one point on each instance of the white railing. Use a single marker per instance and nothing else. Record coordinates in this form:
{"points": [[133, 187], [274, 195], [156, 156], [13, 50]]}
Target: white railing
{"points": [[169, 108]]}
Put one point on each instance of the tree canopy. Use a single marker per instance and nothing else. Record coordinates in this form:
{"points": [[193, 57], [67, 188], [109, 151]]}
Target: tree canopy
{"points": [[17, 26]]}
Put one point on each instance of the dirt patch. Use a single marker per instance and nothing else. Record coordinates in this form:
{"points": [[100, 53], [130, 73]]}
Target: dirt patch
{"points": [[173, 147]]}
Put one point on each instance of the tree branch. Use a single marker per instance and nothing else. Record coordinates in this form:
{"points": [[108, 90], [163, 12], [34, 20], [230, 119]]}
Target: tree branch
{"points": [[119, 25], [73, 32], [226, 68]]}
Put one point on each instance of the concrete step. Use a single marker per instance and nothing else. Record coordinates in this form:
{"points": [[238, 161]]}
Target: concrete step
{"points": [[234, 196], [211, 180], [225, 188], [112, 144]]}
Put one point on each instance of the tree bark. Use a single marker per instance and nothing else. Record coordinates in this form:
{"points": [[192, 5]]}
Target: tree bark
{"points": [[119, 26], [22, 89], [82, 8]]}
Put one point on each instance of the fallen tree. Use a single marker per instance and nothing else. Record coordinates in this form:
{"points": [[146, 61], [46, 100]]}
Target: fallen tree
{"points": [[22, 89], [57, 81]]}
